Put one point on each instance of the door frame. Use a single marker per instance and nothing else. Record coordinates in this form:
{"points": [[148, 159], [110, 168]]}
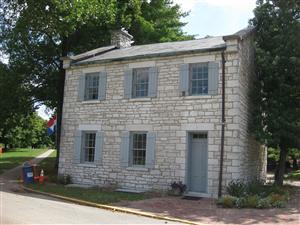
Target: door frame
{"points": [[188, 158]]}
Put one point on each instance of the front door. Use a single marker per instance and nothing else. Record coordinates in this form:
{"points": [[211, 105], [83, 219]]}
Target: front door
{"points": [[198, 158]]}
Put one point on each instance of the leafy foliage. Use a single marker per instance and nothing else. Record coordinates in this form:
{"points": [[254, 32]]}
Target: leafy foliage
{"points": [[236, 188], [277, 115], [35, 34], [15, 101], [30, 132], [253, 194]]}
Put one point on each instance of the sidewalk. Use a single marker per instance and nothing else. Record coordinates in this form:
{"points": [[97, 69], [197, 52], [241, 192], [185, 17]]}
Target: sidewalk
{"points": [[205, 211]]}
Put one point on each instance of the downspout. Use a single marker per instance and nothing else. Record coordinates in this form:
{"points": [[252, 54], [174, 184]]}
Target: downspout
{"points": [[223, 126]]}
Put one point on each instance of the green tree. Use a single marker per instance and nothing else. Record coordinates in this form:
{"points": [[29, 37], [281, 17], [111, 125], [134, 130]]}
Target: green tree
{"points": [[30, 132], [35, 34], [277, 117], [15, 102]]}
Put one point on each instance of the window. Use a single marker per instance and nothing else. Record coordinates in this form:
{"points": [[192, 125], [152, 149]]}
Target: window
{"points": [[198, 79], [139, 144], [140, 82], [200, 136], [91, 86], [89, 144]]}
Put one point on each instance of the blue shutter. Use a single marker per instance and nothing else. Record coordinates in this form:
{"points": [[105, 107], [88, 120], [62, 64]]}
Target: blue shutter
{"points": [[213, 78], [81, 87], [150, 150], [128, 83], [184, 80], [99, 147], [125, 145], [102, 85], [77, 146], [153, 73]]}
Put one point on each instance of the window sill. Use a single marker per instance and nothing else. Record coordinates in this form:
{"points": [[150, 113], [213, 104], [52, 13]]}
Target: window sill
{"points": [[91, 165], [192, 97], [137, 169], [91, 102], [148, 99]]}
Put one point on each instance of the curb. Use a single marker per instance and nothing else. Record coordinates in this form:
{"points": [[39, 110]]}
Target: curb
{"points": [[111, 208]]}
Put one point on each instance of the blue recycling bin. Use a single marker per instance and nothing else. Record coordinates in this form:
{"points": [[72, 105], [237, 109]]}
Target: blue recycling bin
{"points": [[27, 173]]}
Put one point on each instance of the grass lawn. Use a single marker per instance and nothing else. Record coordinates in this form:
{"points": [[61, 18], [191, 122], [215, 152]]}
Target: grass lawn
{"points": [[96, 195], [15, 157], [48, 165], [293, 175]]}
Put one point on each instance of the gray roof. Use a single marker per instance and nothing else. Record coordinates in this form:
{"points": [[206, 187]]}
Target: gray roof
{"points": [[112, 53], [152, 50]]}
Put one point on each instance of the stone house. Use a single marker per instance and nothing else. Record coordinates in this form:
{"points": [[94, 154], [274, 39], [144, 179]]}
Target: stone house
{"points": [[142, 117]]}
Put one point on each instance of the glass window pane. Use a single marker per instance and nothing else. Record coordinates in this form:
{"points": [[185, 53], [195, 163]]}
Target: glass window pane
{"points": [[89, 147], [140, 82], [198, 78], [139, 142], [91, 86]]}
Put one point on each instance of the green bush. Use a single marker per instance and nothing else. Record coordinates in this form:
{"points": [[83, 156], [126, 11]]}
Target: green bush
{"points": [[252, 201], [277, 200], [263, 203], [254, 194], [236, 188], [241, 202], [227, 201]]}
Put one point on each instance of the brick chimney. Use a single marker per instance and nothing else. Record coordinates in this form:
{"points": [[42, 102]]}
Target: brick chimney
{"points": [[121, 38]]}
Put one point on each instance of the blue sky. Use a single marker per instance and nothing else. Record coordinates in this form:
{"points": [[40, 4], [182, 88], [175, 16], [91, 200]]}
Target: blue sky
{"points": [[209, 17]]}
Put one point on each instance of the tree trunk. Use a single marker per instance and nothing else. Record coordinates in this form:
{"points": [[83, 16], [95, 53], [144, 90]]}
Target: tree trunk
{"points": [[279, 173]]}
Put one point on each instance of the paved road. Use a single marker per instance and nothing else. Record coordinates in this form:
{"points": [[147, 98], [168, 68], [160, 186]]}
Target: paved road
{"points": [[17, 207]]}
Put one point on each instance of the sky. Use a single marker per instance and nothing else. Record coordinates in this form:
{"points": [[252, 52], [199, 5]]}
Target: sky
{"points": [[208, 17], [216, 17]]}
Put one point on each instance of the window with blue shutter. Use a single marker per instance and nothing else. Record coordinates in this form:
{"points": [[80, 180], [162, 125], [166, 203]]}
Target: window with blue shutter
{"points": [[99, 147], [92, 83], [92, 86], [88, 146], [102, 86], [199, 79], [184, 80], [153, 76], [213, 78], [124, 150], [128, 83], [77, 146], [138, 149], [140, 82], [150, 150], [198, 76]]}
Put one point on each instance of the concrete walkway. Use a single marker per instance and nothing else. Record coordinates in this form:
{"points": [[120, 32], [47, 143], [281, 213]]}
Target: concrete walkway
{"points": [[19, 207]]}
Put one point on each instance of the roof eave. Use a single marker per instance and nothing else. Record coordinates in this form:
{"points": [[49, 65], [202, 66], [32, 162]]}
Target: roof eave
{"points": [[174, 53]]}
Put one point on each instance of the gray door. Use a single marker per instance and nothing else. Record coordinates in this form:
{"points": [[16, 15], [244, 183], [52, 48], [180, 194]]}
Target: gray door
{"points": [[198, 158]]}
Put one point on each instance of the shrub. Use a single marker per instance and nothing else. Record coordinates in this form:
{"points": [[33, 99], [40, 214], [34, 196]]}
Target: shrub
{"points": [[254, 194], [241, 202], [277, 200], [236, 188], [252, 201], [178, 188], [227, 201], [264, 203]]}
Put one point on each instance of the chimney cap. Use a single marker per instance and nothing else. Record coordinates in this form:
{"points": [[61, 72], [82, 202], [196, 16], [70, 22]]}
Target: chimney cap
{"points": [[123, 31]]}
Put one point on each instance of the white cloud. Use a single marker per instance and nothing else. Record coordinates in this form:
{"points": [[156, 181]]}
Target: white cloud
{"points": [[234, 4]]}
